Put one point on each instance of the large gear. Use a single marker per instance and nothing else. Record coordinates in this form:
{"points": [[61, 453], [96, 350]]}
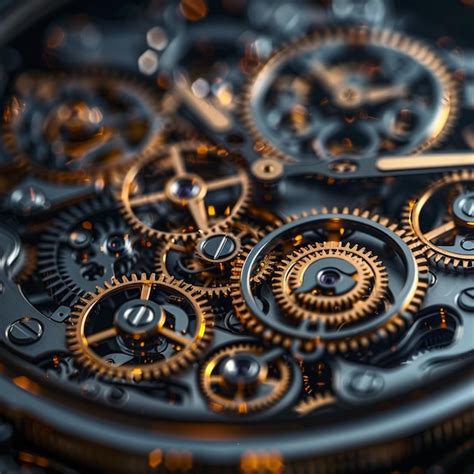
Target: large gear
{"points": [[306, 334], [81, 127], [442, 218], [140, 328], [87, 245], [237, 379], [360, 276], [193, 180], [350, 94]]}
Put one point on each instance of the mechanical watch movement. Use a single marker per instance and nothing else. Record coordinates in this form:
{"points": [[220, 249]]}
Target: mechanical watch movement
{"points": [[236, 236]]}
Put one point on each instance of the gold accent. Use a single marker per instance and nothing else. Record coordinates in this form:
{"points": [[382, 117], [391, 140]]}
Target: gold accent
{"points": [[187, 349], [204, 218], [242, 399], [427, 161], [453, 183], [267, 169]]}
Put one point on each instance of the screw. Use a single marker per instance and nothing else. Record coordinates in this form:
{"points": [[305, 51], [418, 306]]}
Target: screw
{"points": [[468, 244], [466, 299], [367, 382], [468, 206], [139, 315], [218, 247], [28, 200], [25, 331]]}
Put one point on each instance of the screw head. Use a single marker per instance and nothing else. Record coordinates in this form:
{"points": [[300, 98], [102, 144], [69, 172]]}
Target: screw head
{"points": [[25, 331], [218, 248], [466, 299], [28, 200], [366, 382]]}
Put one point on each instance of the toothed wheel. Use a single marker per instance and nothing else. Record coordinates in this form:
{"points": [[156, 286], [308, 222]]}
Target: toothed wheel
{"points": [[242, 379], [442, 218], [207, 263], [374, 271], [342, 93], [330, 281], [80, 127], [140, 328], [185, 191], [89, 244]]}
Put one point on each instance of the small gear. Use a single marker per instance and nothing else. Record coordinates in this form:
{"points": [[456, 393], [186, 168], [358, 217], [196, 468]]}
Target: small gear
{"points": [[80, 127], [140, 328], [442, 218], [238, 379], [207, 264], [184, 191], [317, 386], [268, 313], [88, 244], [331, 281]]}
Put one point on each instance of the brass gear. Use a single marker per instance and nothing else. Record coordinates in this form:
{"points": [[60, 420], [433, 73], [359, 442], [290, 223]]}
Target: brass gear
{"points": [[203, 219], [185, 348], [453, 185], [359, 340], [369, 289], [214, 279], [355, 35], [243, 397], [81, 130]]}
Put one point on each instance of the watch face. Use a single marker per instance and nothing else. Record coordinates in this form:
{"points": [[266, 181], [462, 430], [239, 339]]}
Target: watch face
{"points": [[237, 235]]}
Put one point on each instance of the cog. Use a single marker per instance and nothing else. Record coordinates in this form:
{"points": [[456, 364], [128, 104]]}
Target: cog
{"points": [[140, 328], [442, 218], [304, 325], [347, 77], [184, 191], [352, 287], [238, 379], [199, 265], [76, 128], [87, 245]]}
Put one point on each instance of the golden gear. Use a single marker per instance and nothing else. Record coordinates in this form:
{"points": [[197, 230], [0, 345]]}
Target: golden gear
{"points": [[213, 279], [392, 326], [453, 185], [441, 125], [228, 391], [186, 191], [317, 386], [110, 139], [159, 327], [367, 293]]}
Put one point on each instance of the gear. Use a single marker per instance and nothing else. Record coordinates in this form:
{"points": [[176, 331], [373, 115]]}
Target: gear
{"points": [[80, 127], [28, 265], [371, 319], [317, 385], [442, 218], [87, 245], [238, 379], [330, 281], [199, 264], [346, 78], [185, 191], [140, 328]]}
